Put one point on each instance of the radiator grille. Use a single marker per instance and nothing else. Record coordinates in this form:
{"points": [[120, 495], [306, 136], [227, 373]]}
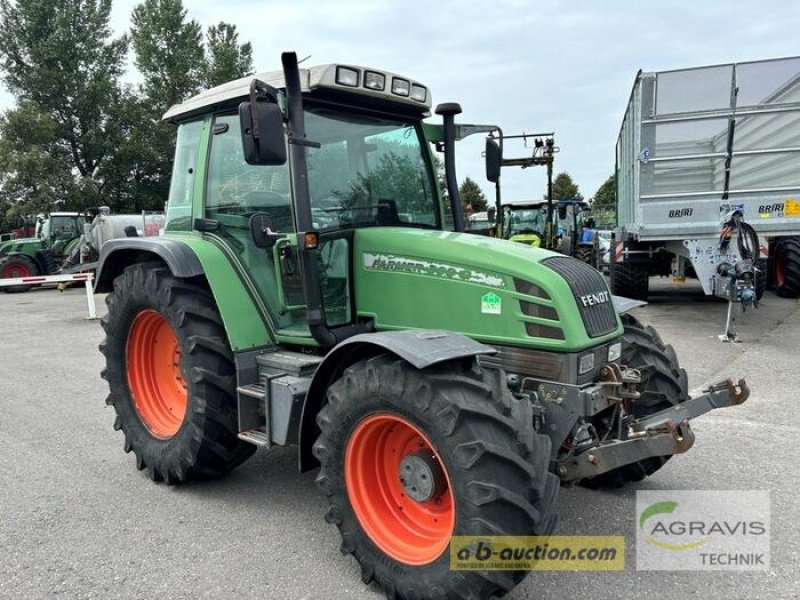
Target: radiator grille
{"points": [[590, 291]]}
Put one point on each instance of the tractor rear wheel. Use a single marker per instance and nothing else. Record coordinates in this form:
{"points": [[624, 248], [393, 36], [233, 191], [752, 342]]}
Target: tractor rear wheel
{"points": [[171, 375], [787, 267], [629, 281], [410, 458], [664, 384], [15, 266]]}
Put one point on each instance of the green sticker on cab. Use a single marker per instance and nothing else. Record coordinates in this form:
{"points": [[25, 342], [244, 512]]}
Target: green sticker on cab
{"points": [[491, 304]]}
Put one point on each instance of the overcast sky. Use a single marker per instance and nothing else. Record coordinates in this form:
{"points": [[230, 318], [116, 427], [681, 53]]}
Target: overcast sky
{"points": [[566, 67]]}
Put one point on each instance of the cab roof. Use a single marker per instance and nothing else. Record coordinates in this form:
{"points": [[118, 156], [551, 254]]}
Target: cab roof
{"points": [[311, 79]]}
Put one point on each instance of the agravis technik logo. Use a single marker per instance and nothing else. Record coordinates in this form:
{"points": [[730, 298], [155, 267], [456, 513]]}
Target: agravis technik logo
{"points": [[702, 530]]}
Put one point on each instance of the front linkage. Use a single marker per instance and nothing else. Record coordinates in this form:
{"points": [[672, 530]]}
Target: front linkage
{"points": [[660, 434]]}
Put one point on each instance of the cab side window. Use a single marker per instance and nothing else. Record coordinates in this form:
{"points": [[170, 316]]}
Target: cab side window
{"points": [[236, 188]]}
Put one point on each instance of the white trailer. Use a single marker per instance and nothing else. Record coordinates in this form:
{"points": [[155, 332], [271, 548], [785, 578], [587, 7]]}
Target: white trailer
{"points": [[705, 157]]}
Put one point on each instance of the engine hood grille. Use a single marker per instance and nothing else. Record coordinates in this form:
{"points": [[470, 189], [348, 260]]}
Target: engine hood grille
{"points": [[591, 294]]}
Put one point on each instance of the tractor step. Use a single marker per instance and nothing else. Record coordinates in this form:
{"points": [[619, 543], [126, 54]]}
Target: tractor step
{"points": [[270, 410], [253, 390], [259, 438]]}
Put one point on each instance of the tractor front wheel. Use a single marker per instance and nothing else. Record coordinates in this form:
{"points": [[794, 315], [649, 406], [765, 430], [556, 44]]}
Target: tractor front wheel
{"points": [[664, 384], [14, 267], [171, 375], [410, 458]]}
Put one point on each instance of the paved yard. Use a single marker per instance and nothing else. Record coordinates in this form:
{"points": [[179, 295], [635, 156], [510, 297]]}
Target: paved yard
{"points": [[78, 520]]}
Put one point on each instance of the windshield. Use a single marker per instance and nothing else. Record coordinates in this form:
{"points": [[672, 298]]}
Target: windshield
{"points": [[519, 221], [65, 227], [368, 171]]}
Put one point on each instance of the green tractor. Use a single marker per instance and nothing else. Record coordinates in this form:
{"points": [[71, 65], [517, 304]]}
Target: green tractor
{"points": [[57, 235], [527, 223], [306, 292]]}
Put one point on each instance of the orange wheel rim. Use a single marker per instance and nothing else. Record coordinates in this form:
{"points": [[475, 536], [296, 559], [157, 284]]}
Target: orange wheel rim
{"points": [[380, 450], [154, 374]]}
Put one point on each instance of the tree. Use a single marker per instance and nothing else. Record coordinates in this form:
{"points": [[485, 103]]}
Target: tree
{"points": [[565, 189], [472, 196], [169, 52], [36, 169], [606, 193], [63, 66], [226, 59]]}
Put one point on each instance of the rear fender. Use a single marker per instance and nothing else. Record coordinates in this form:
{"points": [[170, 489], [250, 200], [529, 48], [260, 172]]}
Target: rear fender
{"points": [[193, 258]]}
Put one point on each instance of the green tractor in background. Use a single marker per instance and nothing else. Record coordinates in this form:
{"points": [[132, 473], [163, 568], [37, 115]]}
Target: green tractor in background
{"points": [[307, 292], [57, 235], [571, 221]]}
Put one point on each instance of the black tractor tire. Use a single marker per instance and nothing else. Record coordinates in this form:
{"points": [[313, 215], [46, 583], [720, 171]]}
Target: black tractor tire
{"points": [[205, 443], [787, 267], [664, 384], [17, 265], [47, 259], [629, 281], [762, 276], [585, 254], [485, 438]]}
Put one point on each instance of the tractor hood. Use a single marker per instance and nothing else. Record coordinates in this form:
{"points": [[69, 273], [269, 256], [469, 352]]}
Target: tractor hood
{"points": [[19, 245], [493, 290]]}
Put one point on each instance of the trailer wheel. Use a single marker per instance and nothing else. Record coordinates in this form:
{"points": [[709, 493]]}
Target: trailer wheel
{"points": [[629, 281], [762, 277], [410, 458], [14, 266], [664, 384], [787, 267], [171, 375]]}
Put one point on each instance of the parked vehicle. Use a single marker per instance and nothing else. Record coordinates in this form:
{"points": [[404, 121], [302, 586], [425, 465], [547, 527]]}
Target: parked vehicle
{"points": [[708, 182], [70, 243], [443, 383]]}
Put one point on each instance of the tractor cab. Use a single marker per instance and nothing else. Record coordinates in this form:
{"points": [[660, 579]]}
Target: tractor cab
{"points": [[366, 165], [527, 223]]}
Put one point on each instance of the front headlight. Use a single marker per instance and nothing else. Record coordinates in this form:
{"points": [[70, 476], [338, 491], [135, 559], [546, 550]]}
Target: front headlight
{"points": [[614, 351], [586, 363]]}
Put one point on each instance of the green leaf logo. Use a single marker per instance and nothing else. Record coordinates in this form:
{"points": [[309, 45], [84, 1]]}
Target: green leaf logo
{"points": [[660, 508]]}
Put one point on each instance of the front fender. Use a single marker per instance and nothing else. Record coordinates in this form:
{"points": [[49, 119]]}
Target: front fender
{"points": [[624, 305], [420, 348]]}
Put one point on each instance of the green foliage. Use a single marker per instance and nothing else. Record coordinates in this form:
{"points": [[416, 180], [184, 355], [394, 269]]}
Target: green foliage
{"points": [[564, 188], [472, 196], [64, 67], [226, 59], [169, 52], [606, 193], [35, 172]]}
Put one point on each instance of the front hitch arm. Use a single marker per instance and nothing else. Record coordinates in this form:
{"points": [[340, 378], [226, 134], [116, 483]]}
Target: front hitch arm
{"points": [[664, 433]]}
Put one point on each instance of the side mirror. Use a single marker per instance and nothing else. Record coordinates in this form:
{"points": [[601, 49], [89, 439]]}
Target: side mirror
{"points": [[562, 212], [263, 139], [262, 230], [494, 158]]}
